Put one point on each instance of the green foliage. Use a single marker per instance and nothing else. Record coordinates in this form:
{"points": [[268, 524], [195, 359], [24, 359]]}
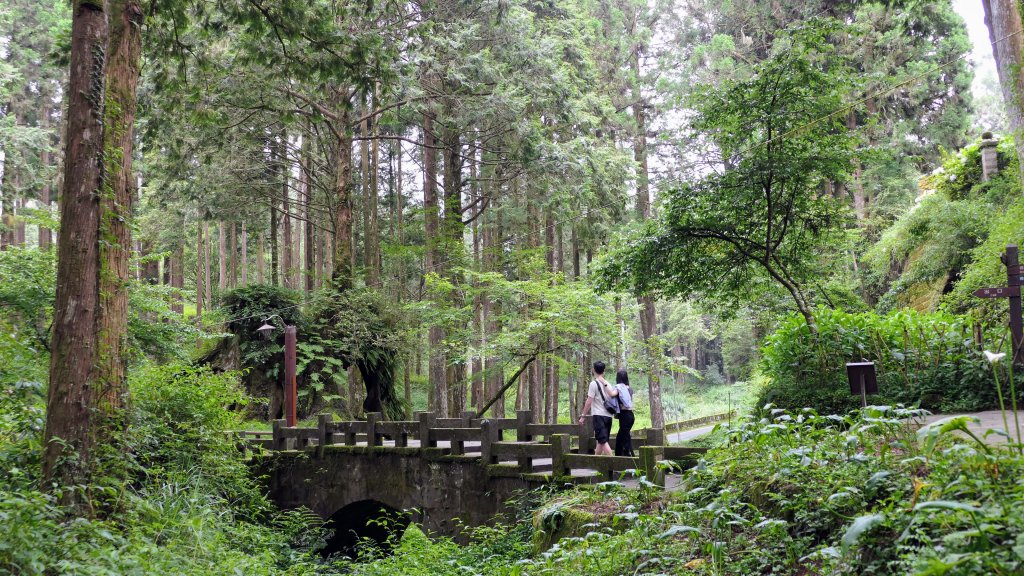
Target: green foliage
{"points": [[786, 494], [181, 415], [985, 269], [759, 220], [190, 505], [948, 244], [927, 359], [361, 327], [927, 248], [28, 280], [155, 331], [250, 307]]}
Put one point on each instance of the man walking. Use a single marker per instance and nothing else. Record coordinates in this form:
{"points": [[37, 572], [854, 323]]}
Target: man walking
{"points": [[597, 396]]}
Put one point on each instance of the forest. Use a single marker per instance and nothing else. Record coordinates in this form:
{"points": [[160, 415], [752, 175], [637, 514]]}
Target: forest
{"points": [[459, 207]]}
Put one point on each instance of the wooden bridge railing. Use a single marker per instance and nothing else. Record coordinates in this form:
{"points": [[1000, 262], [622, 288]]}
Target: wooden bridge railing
{"points": [[530, 447], [675, 427]]}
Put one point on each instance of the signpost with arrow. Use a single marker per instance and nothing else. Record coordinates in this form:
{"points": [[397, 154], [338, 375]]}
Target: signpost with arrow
{"points": [[1014, 280]]}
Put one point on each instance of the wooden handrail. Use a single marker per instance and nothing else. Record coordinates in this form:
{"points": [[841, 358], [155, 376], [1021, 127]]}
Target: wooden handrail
{"points": [[525, 448]]}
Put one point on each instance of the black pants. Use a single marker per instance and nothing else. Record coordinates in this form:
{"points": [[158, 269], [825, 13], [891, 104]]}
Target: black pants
{"points": [[623, 441]]}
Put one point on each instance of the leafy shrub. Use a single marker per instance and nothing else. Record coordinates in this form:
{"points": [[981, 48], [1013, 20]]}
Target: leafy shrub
{"points": [[155, 331], [920, 358], [247, 309], [179, 430], [360, 327]]}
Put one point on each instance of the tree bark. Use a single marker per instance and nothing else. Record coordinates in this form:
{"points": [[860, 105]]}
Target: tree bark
{"points": [[1006, 32], [437, 373], [245, 255], [261, 260], [288, 259], [69, 438], [124, 54], [208, 277], [372, 231], [233, 253], [648, 315], [341, 275], [45, 235], [309, 240], [177, 266], [281, 178], [200, 270], [454, 250], [222, 259], [551, 367]]}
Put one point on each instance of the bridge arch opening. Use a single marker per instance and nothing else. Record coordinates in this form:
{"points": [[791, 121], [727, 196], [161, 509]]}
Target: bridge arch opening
{"points": [[362, 525]]}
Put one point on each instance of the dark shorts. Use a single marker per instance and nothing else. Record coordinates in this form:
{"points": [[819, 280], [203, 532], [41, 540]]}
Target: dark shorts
{"points": [[602, 428]]}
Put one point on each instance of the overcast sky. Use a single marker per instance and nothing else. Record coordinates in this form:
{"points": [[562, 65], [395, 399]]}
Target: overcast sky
{"points": [[984, 64]]}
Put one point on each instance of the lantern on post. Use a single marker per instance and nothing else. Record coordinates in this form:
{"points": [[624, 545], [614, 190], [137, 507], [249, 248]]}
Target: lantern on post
{"points": [[290, 389]]}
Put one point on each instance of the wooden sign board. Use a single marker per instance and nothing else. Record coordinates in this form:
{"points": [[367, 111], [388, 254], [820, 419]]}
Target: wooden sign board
{"points": [[1003, 292], [862, 372]]}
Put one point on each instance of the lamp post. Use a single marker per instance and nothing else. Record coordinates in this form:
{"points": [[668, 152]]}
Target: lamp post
{"points": [[290, 391]]}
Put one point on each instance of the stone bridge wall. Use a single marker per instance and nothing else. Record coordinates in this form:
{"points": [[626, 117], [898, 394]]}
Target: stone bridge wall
{"points": [[444, 491]]}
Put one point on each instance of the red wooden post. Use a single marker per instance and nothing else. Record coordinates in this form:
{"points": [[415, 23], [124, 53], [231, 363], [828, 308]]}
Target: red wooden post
{"points": [[290, 393]]}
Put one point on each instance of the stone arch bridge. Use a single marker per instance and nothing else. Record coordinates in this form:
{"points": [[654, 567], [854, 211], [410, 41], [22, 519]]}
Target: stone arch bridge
{"points": [[442, 473]]}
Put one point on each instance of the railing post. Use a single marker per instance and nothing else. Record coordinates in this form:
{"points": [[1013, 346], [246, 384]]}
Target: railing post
{"points": [[488, 435], [467, 418], [523, 418], [649, 458], [350, 434], [427, 420], [290, 395], [326, 434], [279, 439], [655, 436], [371, 428], [587, 436], [402, 439], [559, 450]]}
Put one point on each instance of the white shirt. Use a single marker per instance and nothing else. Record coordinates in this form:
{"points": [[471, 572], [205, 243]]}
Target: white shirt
{"points": [[597, 403]]}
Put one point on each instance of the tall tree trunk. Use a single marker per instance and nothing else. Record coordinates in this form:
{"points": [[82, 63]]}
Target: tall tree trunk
{"points": [[177, 280], [453, 238], [1006, 32], [288, 259], [341, 275], [492, 313], [372, 229], [551, 375], [45, 235], [233, 252], [245, 255], [399, 232], [69, 438], [364, 182], [200, 271], [437, 373], [309, 242], [222, 259], [208, 277], [274, 248], [648, 315], [261, 260], [19, 224], [117, 198]]}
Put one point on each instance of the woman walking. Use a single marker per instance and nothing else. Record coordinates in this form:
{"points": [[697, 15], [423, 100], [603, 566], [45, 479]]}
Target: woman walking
{"points": [[623, 440]]}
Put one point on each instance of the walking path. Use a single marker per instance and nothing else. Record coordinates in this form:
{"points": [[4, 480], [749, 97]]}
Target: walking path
{"points": [[988, 420], [690, 434]]}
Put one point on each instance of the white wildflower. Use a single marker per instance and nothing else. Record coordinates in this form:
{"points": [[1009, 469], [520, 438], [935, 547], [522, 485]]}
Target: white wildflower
{"points": [[992, 357]]}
